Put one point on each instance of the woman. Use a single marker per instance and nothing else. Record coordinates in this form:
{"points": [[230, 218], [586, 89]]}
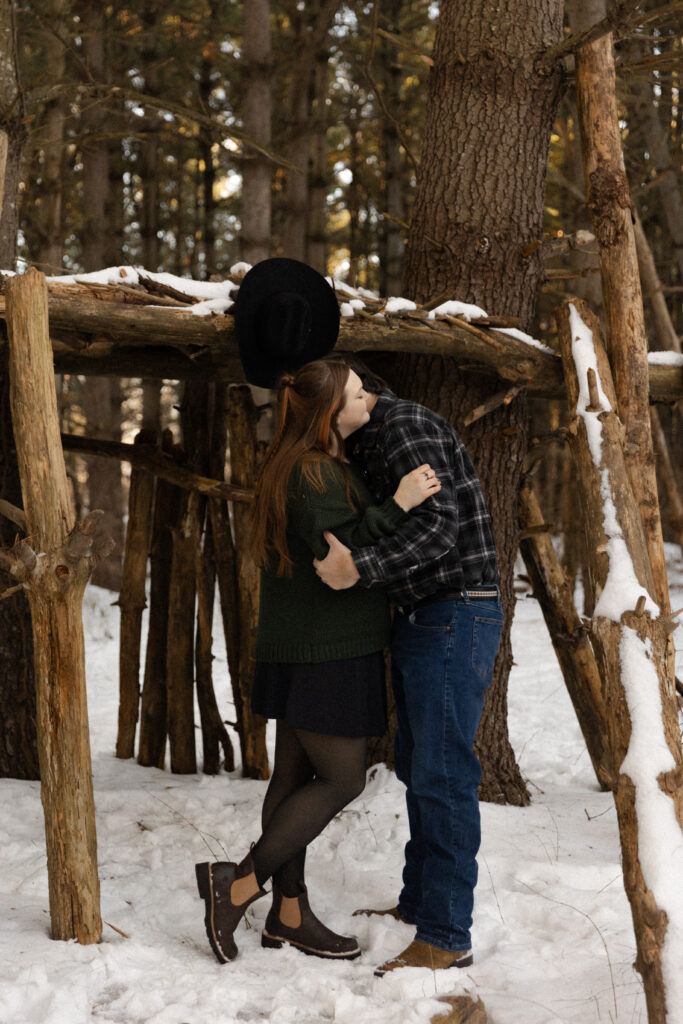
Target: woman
{"points": [[320, 667]]}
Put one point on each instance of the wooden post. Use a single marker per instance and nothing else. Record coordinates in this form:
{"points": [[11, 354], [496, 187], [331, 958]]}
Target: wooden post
{"points": [[667, 475], [629, 636], [243, 462], [553, 592], [132, 600], [153, 705], [609, 202], [214, 734], [55, 580], [180, 641]]}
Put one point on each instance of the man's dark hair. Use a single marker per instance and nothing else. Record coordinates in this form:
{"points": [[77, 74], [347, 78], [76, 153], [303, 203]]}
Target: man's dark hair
{"points": [[372, 382]]}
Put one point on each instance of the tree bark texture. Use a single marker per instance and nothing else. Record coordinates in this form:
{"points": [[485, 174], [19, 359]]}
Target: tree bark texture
{"points": [[478, 211], [553, 591], [55, 587], [256, 116], [242, 420], [609, 201], [132, 602], [610, 479]]}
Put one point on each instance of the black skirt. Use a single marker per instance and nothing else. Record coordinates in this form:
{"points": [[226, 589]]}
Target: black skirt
{"points": [[337, 698]]}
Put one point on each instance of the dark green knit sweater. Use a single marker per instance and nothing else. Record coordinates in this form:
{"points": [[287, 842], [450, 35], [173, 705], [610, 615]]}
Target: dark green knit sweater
{"points": [[300, 618]]}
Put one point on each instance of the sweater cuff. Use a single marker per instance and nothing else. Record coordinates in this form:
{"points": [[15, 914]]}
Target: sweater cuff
{"points": [[393, 512]]}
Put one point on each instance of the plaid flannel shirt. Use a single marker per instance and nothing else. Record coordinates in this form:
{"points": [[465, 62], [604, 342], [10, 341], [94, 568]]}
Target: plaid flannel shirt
{"points": [[447, 541]]}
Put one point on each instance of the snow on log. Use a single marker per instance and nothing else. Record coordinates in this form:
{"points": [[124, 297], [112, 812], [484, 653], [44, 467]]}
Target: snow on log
{"points": [[630, 639], [123, 321]]}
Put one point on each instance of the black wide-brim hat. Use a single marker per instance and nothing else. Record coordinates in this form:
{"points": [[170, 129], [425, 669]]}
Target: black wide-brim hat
{"points": [[286, 314]]}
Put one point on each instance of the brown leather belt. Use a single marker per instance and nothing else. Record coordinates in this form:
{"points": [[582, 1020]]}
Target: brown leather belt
{"points": [[475, 594]]}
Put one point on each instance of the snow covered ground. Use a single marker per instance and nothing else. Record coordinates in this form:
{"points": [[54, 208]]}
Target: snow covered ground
{"points": [[553, 938]]}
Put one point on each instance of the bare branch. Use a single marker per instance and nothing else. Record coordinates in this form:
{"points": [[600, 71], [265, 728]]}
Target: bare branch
{"points": [[622, 18], [378, 92], [190, 115], [14, 514]]}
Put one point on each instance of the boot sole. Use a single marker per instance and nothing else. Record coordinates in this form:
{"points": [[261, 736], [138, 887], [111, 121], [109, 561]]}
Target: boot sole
{"points": [[205, 887], [273, 942]]}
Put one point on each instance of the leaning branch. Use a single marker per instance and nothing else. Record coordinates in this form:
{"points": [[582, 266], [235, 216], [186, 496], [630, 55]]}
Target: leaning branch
{"points": [[150, 458]]}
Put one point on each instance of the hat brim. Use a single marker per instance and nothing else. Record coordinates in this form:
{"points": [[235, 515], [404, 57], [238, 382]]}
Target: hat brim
{"points": [[266, 280]]}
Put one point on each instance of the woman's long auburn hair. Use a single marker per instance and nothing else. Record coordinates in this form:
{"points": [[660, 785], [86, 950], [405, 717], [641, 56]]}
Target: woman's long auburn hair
{"points": [[307, 432]]}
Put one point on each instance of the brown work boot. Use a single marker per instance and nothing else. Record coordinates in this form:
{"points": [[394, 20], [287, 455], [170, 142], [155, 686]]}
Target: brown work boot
{"points": [[421, 954], [227, 890], [291, 920], [389, 912]]}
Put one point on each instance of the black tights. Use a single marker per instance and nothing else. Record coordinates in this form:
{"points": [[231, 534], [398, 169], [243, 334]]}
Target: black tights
{"points": [[314, 777]]}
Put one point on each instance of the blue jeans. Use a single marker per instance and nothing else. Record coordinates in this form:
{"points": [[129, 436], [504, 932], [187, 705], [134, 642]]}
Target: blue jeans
{"points": [[442, 662]]}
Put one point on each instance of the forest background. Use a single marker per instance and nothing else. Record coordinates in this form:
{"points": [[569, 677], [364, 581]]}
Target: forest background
{"points": [[187, 137]]}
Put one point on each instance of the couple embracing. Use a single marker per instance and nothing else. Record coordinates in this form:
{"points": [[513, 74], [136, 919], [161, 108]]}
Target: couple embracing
{"points": [[364, 503]]}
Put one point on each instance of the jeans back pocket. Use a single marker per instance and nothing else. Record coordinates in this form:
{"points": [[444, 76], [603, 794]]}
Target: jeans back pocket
{"points": [[485, 642]]}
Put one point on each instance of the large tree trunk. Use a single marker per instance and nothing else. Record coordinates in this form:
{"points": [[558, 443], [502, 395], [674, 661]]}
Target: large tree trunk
{"points": [[102, 404], [312, 25], [391, 241], [478, 212], [256, 116], [55, 585], [12, 124], [206, 84], [316, 246], [149, 147], [52, 244]]}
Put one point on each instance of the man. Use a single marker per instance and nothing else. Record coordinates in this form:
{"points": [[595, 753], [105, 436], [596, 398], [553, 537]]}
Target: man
{"points": [[439, 569]]}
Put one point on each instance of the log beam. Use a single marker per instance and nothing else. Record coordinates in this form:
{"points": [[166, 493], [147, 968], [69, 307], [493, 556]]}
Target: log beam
{"points": [[95, 337]]}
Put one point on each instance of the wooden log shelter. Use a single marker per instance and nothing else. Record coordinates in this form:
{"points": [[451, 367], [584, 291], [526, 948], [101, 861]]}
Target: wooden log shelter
{"points": [[94, 316], [616, 664]]}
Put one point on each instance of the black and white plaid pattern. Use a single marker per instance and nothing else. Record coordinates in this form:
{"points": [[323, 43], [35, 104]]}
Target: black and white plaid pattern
{"points": [[447, 542]]}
